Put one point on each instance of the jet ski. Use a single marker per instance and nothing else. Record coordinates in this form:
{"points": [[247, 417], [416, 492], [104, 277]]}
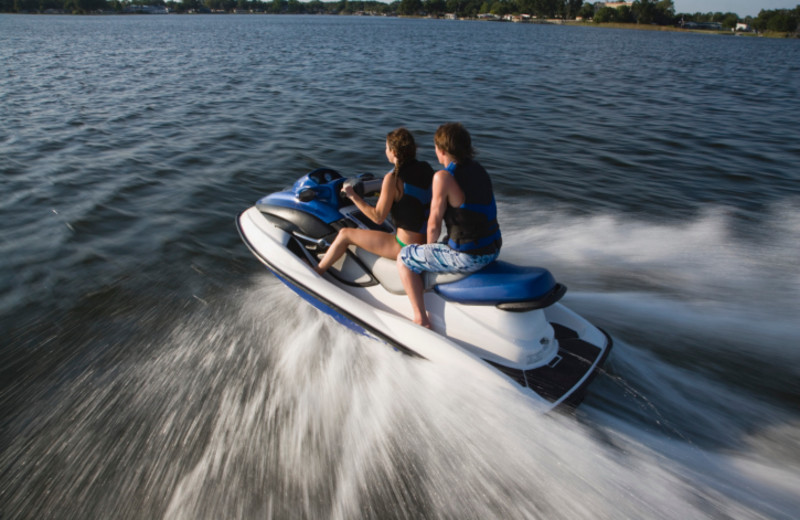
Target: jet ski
{"points": [[502, 322]]}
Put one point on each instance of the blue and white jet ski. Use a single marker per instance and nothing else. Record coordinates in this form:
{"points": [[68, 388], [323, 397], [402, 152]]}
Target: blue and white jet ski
{"points": [[502, 322]]}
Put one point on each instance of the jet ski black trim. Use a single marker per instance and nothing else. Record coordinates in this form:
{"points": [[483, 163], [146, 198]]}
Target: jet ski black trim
{"points": [[298, 220], [555, 294], [372, 280], [576, 358], [580, 393]]}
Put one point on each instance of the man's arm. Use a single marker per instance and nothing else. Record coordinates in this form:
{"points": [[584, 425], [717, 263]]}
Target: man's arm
{"points": [[440, 188]]}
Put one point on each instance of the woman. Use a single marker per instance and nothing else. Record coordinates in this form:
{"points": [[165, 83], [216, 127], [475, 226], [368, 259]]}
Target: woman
{"points": [[405, 193], [462, 197]]}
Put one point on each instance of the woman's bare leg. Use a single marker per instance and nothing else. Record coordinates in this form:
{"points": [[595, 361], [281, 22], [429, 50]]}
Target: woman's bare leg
{"points": [[412, 283], [376, 242], [336, 250]]}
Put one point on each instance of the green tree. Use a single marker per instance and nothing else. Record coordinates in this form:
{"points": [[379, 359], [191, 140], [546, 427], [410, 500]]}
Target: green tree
{"points": [[586, 11], [730, 20], [410, 7], [434, 7], [500, 8], [666, 7], [44, 5], [191, 4], [540, 8], [664, 12], [573, 7], [554, 8], [643, 11], [471, 8], [605, 15], [624, 14], [782, 21], [26, 6]]}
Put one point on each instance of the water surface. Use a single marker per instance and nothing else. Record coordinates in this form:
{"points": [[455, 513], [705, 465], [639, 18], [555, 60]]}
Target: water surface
{"points": [[152, 368]]}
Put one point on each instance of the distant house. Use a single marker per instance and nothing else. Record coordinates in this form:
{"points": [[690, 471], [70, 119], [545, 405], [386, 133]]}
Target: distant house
{"points": [[743, 27]]}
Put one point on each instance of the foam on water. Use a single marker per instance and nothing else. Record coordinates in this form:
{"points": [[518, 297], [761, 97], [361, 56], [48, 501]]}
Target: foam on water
{"points": [[342, 427], [701, 258], [254, 404], [700, 273], [257, 405]]}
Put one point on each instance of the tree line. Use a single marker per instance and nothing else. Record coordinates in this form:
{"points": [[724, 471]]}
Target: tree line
{"points": [[658, 12], [663, 13]]}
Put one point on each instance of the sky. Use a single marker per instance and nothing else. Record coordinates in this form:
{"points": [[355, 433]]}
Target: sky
{"points": [[741, 7]]}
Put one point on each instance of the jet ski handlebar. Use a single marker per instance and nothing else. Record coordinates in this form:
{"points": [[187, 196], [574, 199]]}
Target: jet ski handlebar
{"points": [[324, 184], [364, 186]]}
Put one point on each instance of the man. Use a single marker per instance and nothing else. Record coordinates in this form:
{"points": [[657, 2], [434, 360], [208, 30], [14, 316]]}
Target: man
{"points": [[464, 199]]}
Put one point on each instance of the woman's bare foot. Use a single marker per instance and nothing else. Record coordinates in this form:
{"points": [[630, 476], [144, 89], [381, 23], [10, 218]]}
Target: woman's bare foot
{"points": [[423, 322]]}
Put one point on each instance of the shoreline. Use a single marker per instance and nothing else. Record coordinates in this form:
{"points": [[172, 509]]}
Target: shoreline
{"points": [[669, 28], [570, 23]]}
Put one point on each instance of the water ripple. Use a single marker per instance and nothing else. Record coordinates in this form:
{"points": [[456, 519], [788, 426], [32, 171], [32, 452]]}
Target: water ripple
{"points": [[661, 164]]}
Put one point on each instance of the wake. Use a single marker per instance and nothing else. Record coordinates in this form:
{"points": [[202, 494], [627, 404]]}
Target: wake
{"points": [[341, 426]]}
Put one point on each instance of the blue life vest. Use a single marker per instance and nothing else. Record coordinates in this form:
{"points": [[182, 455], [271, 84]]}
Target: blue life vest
{"points": [[472, 227]]}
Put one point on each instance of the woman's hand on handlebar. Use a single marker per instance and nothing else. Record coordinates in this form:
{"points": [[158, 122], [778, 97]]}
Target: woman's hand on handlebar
{"points": [[348, 191]]}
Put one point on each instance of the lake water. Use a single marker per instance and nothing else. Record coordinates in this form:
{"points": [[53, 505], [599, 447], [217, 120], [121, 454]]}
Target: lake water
{"points": [[152, 368]]}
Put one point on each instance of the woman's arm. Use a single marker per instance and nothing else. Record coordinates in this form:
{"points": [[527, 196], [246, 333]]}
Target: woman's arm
{"points": [[378, 213]]}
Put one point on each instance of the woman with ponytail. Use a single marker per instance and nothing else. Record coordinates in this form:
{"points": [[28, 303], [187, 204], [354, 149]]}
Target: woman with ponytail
{"points": [[405, 195]]}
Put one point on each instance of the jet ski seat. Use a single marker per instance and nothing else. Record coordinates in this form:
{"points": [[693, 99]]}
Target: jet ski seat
{"points": [[511, 287], [385, 271]]}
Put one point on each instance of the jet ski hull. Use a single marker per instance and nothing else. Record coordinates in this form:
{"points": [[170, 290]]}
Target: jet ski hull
{"points": [[537, 347]]}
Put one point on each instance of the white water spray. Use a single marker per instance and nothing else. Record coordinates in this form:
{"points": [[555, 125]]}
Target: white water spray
{"points": [[341, 426]]}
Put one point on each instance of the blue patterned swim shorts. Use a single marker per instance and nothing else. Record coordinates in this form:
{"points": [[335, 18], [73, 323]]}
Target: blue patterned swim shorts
{"points": [[441, 258]]}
